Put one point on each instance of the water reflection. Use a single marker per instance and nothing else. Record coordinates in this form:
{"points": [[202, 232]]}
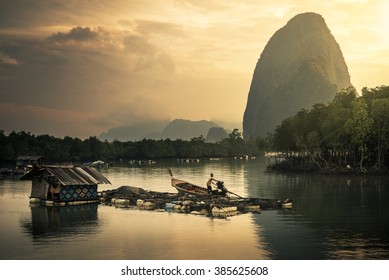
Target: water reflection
{"points": [[347, 244], [332, 217], [54, 223], [139, 234], [19, 187]]}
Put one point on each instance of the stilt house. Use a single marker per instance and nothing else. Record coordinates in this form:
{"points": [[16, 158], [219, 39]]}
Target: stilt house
{"points": [[65, 183], [22, 162]]}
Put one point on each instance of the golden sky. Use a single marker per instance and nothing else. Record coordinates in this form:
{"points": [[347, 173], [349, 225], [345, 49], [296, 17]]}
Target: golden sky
{"points": [[79, 67]]}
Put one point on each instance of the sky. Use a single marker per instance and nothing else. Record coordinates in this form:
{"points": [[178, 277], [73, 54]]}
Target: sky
{"points": [[79, 67]]}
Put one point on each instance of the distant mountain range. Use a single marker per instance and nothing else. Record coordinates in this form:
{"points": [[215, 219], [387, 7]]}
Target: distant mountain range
{"points": [[176, 129]]}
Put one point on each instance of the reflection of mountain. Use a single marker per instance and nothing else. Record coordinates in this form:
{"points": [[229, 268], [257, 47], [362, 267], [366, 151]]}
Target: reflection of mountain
{"points": [[52, 222], [332, 217]]}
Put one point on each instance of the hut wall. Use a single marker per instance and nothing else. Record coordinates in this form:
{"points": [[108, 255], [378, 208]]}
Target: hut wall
{"points": [[39, 188], [78, 192]]}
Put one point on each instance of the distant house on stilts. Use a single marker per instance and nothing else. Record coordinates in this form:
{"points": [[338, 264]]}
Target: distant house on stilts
{"points": [[64, 184], [25, 162]]}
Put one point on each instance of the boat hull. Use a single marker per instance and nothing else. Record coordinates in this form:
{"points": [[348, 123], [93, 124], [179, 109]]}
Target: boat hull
{"points": [[184, 187]]}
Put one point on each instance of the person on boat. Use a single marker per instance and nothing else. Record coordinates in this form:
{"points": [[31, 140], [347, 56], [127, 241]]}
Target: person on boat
{"points": [[209, 183], [221, 187]]}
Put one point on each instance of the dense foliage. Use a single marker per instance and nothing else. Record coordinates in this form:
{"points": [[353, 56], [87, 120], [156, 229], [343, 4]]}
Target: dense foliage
{"points": [[351, 132], [76, 150]]}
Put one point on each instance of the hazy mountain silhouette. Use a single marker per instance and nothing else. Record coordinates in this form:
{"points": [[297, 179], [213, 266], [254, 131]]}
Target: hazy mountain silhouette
{"points": [[186, 129], [176, 129], [216, 134], [148, 130]]}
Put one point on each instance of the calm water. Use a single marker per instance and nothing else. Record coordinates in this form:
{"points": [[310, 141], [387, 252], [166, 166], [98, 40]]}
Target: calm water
{"points": [[332, 218]]}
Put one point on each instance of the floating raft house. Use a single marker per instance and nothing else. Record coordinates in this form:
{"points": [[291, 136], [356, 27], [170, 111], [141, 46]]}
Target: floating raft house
{"points": [[63, 185]]}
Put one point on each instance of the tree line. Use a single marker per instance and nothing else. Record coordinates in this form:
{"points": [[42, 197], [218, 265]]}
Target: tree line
{"points": [[351, 132], [69, 149]]}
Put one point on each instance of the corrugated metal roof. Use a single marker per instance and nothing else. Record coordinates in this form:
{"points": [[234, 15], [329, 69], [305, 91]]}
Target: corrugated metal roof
{"points": [[70, 175]]}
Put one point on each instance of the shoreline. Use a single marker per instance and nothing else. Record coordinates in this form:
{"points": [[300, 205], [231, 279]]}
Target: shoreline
{"points": [[296, 166]]}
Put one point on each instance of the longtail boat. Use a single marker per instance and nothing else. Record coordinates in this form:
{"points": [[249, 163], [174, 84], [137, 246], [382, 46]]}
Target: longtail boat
{"points": [[184, 187], [189, 188]]}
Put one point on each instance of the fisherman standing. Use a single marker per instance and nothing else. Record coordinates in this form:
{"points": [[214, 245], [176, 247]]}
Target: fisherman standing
{"points": [[209, 183]]}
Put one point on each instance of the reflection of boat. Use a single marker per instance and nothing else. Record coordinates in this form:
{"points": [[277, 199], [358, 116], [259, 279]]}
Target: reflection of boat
{"points": [[272, 203]]}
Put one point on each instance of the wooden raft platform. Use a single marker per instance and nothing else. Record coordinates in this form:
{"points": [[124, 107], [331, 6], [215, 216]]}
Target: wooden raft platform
{"points": [[210, 206]]}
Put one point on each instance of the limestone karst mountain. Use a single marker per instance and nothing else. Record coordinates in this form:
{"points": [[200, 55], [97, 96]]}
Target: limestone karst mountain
{"points": [[301, 65]]}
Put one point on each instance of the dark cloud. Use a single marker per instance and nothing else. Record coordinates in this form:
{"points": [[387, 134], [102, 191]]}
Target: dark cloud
{"points": [[37, 13], [76, 33], [6, 59], [22, 13]]}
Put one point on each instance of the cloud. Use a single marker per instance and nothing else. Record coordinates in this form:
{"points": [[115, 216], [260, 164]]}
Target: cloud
{"points": [[6, 59], [77, 34], [88, 39]]}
